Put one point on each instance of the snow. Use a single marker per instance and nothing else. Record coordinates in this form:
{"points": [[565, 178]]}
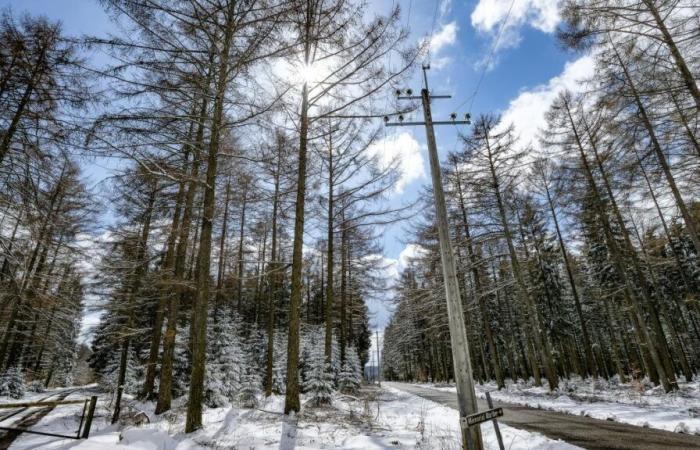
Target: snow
{"points": [[429, 425], [377, 419], [636, 403], [64, 419]]}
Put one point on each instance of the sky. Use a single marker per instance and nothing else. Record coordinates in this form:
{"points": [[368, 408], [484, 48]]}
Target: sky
{"points": [[492, 56]]}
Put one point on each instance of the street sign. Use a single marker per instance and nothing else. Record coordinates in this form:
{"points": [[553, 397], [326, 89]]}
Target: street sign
{"points": [[475, 419]]}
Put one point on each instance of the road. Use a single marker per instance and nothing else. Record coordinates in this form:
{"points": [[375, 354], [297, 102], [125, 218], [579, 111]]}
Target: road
{"points": [[582, 431]]}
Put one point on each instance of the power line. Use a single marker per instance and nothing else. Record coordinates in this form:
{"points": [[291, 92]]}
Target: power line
{"points": [[432, 29], [408, 17], [494, 46]]}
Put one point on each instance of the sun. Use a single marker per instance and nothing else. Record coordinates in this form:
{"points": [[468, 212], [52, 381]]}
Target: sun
{"points": [[313, 73]]}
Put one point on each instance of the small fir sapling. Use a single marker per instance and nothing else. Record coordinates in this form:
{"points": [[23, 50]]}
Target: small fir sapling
{"points": [[12, 383]]}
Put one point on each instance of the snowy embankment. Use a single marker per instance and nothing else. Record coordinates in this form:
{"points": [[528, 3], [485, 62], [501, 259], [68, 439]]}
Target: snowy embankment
{"points": [[635, 403], [378, 419]]}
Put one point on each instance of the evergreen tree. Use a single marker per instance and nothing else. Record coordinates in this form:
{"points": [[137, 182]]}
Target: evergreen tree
{"points": [[12, 383], [224, 361], [251, 381], [319, 377], [279, 368], [350, 376]]}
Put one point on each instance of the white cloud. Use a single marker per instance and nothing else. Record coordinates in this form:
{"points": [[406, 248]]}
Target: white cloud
{"points": [[526, 112], [445, 37], [540, 14], [445, 8], [409, 252], [380, 306], [489, 15], [405, 150]]}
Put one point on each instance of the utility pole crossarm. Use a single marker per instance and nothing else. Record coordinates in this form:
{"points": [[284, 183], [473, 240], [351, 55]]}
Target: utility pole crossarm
{"points": [[420, 97], [444, 122]]}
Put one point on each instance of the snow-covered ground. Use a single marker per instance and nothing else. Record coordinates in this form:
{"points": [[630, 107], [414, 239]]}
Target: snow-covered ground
{"points": [[63, 419], [386, 419], [636, 403]]}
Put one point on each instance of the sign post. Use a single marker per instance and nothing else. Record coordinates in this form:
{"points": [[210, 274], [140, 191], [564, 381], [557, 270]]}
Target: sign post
{"points": [[492, 414]]}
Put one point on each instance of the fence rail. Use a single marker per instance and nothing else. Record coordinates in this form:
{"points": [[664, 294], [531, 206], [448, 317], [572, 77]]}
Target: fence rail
{"points": [[86, 416], [33, 404]]}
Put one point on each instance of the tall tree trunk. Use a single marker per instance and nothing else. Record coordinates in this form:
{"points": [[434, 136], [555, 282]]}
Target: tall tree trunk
{"points": [[691, 226], [645, 289], [629, 292], [661, 302], [291, 401], [139, 272], [159, 313], [686, 126], [343, 287], [478, 289], [540, 340], [174, 299], [683, 69], [199, 311], [591, 367], [37, 72], [241, 249], [11, 337], [274, 269], [328, 347], [222, 251]]}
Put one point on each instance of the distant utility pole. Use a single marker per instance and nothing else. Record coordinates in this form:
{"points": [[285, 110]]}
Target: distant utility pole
{"points": [[466, 397]]}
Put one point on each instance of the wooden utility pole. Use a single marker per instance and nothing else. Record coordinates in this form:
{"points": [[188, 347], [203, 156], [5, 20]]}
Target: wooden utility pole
{"points": [[466, 397]]}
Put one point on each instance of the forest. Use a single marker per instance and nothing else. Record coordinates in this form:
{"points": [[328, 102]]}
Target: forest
{"points": [[232, 251]]}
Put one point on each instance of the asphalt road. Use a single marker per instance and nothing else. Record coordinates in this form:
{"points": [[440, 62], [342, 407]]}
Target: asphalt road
{"points": [[577, 430]]}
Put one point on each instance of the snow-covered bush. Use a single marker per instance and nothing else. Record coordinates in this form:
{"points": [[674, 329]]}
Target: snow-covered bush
{"points": [[310, 341], [37, 386], [224, 360], [250, 384], [181, 362], [12, 383], [319, 381], [349, 377]]}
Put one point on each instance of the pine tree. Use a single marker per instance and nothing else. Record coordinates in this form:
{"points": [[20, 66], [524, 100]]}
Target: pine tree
{"points": [[349, 378], [319, 377], [251, 380], [279, 367], [12, 383], [224, 361], [181, 363]]}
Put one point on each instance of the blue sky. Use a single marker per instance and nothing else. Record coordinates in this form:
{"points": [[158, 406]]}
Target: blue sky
{"points": [[526, 70], [527, 66]]}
